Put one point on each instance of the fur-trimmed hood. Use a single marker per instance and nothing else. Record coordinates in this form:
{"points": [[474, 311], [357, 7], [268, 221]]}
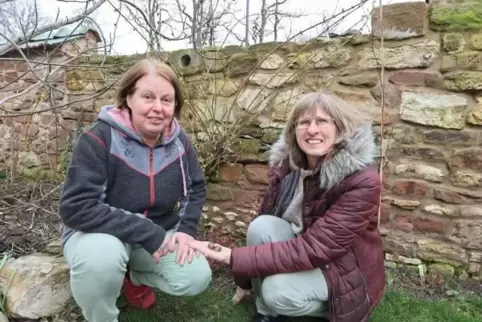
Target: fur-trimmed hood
{"points": [[358, 152]]}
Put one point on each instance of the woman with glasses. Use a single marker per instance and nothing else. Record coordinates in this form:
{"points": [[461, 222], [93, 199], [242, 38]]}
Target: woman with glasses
{"points": [[315, 248]]}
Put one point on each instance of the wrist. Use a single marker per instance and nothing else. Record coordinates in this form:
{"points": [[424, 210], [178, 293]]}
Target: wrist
{"points": [[227, 259]]}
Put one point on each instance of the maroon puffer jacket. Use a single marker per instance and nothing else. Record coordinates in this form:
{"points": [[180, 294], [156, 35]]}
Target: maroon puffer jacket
{"points": [[340, 237]]}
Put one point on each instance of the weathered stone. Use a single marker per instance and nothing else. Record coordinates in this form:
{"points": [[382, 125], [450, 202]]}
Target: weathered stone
{"points": [[476, 41], [471, 211], [391, 265], [400, 20], [284, 102], [453, 42], [463, 81], [468, 158], [361, 80], [255, 100], [218, 192], [441, 210], [400, 243], [247, 149], [423, 153], [392, 95], [270, 136], [29, 159], [417, 78], [430, 225], [409, 187], [402, 203], [475, 267], [475, 114], [273, 80], [445, 137], [402, 259], [241, 63], [223, 87], [445, 111], [257, 173], [38, 286], [222, 109], [466, 178], [435, 250], [421, 171], [230, 172], [366, 104], [421, 54], [467, 233], [441, 269], [456, 195], [271, 62], [54, 247], [404, 133], [403, 221], [187, 61], [457, 16], [215, 61], [471, 60], [329, 56], [475, 256], [320, 82]]}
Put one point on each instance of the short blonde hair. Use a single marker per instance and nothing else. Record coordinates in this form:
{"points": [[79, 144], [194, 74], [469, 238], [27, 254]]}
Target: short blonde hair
{"points": [[347, 119], [139, 70]]}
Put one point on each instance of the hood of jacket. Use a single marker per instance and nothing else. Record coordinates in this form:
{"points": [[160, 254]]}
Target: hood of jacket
{"points": [[357, 152], [121, 120]]}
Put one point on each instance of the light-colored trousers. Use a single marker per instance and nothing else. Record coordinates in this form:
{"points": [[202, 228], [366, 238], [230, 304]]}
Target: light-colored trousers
{"points": [[293, 294], [98, 264]]}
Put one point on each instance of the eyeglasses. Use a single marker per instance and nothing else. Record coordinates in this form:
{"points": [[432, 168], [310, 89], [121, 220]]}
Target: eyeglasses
{"points": [[320, 122]]}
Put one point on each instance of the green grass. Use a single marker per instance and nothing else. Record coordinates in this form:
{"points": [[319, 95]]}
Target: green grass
{"points": [[214, 305]]}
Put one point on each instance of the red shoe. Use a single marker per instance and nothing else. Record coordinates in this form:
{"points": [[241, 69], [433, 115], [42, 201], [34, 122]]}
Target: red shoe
{"points": [[141, 297]]}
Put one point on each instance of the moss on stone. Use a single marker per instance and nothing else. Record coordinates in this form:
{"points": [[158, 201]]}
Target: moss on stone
{"points": [[476, 41], [216, 192], [241, 63], [453, 42], [246, 146], [273, 46], [456, 17], [74, 81], [463, 81], [270, 136]]}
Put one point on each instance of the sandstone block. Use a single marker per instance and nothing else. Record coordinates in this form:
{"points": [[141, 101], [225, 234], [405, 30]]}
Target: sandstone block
{"points": [[475, 114], [271, 62], [467, 178], [400, 20], [223, 87], [441, 269], [392, 95], [217, 192], [467, 233], [468, 158], [247, 199], [187, 62], [360, 80], [447, 137], [402, 259], [403, 222], [255, 100], [230, 172], [444, 111], [471, 60], [400, 243], [241, 63], [476, 41], [463, 81], [430, 225], [328, 56], [441, 210], [475, 256], [471, 211], [453, 42], [409, 187], [417, 78], [418, 55], [423, 153], [215, 61], [435, 250], [456, 16], [223, 109], [273, 80], [284, 102], [421, 171], [257, 173], [448, 195], [402, 203], [39, 288]]}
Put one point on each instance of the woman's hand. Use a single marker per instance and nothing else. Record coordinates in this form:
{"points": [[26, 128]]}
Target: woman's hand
{"points": [[184, 252], [212, 251]]}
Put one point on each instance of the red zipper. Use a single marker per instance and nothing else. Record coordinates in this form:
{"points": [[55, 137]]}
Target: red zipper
{"points": [[151, 180]]}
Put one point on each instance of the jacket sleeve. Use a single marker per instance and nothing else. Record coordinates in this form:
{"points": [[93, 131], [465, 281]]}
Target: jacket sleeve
{"points": [[191, 206], [81, 205], [327, 239]]}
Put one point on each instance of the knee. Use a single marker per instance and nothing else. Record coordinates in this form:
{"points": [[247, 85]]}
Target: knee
{"points": [[279, 299], [265, 228], [98, 261], [196, 281]]}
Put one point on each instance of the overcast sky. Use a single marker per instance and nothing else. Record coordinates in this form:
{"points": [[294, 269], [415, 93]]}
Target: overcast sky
{"points": [[128, 41]]}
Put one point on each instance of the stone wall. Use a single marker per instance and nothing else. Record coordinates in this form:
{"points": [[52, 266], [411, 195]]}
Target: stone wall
{"points": [[432, 120]]}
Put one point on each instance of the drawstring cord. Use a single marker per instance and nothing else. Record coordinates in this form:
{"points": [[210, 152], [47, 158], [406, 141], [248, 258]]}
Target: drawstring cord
{"points": [[184, 184]]}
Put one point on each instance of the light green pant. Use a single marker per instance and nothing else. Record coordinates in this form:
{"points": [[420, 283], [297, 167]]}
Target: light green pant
{"points": [[98, 263], [293, 294]]}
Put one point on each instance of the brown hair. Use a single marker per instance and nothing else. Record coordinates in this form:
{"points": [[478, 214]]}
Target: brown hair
{"points": [[346, 117], [139, 70]]}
